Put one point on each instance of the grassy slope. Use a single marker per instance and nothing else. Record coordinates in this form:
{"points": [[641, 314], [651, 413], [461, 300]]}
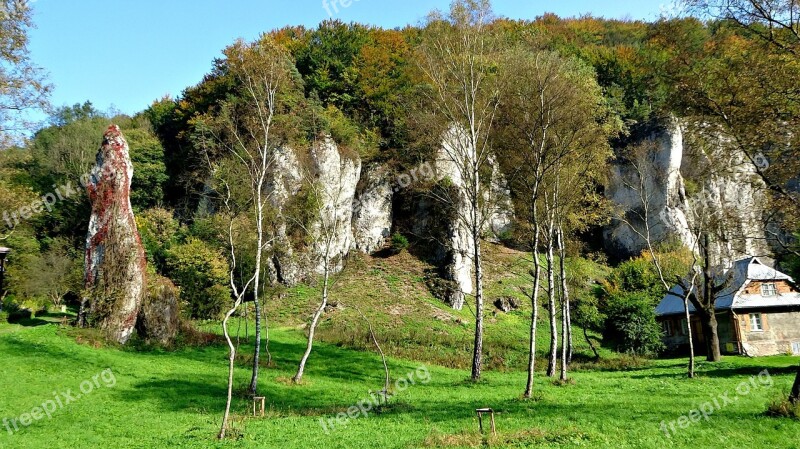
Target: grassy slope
{"points": [[411, 324], [174, 399]]}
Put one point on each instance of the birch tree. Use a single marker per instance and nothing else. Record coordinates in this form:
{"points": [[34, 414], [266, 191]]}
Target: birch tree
{"points": [[246, 131], [551, 117], [24, 88], [457, 60], [644, 221], [251, 126], [327, 198]]}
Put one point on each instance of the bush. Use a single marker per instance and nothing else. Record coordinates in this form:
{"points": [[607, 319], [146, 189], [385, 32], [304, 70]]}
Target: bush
{"points": [[399, 243], [631, 324], [783, 408], [202, 274]]}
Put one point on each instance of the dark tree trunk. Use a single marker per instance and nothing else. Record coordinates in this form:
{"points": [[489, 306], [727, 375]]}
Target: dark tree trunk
{"points": [[707, 307], [591, 345], [794, 397], [710, 329]]}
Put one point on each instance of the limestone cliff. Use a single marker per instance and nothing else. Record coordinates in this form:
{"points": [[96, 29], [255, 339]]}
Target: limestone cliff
{"points": [[688, 178]]}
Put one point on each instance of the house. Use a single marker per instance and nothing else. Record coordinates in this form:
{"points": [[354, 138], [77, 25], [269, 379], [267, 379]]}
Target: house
{"points": [[758, 313]]}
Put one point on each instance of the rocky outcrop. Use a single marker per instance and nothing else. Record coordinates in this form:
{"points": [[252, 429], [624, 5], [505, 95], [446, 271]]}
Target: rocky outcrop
{"points": [[654, 173], [283, 184], [297, 256], [115, 261], [692, 180], [372, 210], [337, 178], [448, 221], [159, 318], [506, 304]]}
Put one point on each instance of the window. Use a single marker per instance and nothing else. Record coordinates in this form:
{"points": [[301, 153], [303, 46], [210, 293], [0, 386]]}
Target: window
{"points": [[796, 348], [684, 327], [769, 289], [667, 327], [755, 322]]}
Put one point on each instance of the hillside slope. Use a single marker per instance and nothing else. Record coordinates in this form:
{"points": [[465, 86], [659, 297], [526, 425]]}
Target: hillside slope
{"points": [[410, 323]]}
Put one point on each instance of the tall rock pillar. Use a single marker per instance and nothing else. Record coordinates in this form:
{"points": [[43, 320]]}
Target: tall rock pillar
{"points": [[115, 259]]}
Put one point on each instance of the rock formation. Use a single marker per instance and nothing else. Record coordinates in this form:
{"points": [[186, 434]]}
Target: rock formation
{"points": [[450, 235], [660, 170], [159, 317], [693, 177], [337, 177], [296, 259], [115, 261], [372, 211]]}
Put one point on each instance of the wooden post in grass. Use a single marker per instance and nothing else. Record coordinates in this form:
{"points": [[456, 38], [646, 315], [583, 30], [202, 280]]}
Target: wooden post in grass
{"points": [[256, 400], [480, 412]]}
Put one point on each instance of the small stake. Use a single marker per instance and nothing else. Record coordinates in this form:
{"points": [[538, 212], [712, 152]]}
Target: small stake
{"points": [[263, 405], [480, 413]]}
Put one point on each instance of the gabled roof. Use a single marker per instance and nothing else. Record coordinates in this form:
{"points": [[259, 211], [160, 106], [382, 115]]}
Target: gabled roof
{"points": [[742, 273]]}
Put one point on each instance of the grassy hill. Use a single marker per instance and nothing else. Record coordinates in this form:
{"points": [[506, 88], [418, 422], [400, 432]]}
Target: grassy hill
{"points": [[157, 399], [410, 323], [174, 399]]}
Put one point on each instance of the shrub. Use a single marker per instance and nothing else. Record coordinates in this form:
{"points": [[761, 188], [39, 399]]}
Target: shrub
{"points": [[202, 274], [399, 243], [158, 229], [631, 324], [18, 316]]}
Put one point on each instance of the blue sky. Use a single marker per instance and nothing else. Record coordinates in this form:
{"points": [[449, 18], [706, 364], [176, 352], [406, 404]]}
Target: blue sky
{"points": [[127, 53]]}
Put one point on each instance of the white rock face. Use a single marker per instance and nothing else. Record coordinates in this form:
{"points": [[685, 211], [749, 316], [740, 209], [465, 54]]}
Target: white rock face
{"points": [[459, 242], [336, 178], [659, 176], [285, 181], [734, 196], [372, 211], [501, 216], [459, 267], [726, 190]]}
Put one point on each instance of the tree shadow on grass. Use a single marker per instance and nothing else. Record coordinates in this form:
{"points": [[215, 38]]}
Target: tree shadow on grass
{"points": [[724, 372], [36, 352], [33, 322], [179, 394]]}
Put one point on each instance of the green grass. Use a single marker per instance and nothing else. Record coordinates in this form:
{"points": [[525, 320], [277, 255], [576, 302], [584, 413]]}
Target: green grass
{"points": [[413, 325], [175, 399]]}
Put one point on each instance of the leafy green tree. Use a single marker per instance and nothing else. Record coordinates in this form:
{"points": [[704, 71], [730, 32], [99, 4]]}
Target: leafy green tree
{"points": [[147, 155], [327, 62], [159, 230], [552, 136], [50, 276], [631, 324], [202, 274], [458, 59]]}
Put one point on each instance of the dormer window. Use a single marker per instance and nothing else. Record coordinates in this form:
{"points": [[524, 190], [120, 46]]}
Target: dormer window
{"points": [[769, 289]]}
